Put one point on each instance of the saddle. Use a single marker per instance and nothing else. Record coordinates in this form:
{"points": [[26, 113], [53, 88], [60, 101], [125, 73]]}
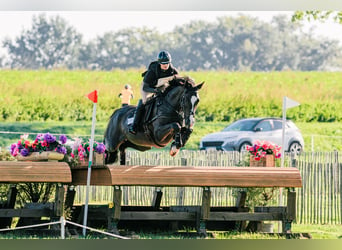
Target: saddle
{"points": [[146, 116]]}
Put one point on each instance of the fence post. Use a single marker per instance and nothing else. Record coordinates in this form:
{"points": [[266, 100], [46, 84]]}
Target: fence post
{"points": [[62, 228], [181, 190]]}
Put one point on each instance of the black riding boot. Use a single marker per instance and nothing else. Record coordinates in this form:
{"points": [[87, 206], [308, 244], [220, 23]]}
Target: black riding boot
{"points": [[137, 117]]}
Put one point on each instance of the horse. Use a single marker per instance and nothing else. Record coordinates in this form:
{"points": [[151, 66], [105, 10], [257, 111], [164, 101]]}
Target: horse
{"points": [[169, 116]]}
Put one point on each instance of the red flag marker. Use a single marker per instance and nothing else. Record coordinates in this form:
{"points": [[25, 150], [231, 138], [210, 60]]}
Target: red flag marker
{"points": [[93, 96]]}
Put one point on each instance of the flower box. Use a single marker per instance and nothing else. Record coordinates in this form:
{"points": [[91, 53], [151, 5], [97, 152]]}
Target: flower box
{"points": [[41, 156], [263, 154], [80, 154], [98, 162], [44, 148], [267, 161]]}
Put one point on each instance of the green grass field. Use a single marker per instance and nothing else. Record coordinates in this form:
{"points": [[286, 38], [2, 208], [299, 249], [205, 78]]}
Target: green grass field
{"points": [[226, 96], [54, 101], [325, 136]]}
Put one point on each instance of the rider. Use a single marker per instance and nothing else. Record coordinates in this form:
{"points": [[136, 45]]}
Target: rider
{"points": [[159, 73]]}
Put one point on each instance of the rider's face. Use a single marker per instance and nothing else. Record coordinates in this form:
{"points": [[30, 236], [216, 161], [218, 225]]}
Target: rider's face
{"points": [[164, 66]]}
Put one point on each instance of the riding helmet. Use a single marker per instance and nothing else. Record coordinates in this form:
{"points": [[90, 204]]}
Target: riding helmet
{"points": [[164, 57]]}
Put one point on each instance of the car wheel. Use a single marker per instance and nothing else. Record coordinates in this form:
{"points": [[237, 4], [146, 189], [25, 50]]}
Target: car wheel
{"points": [[295, 148], [243, 146]]}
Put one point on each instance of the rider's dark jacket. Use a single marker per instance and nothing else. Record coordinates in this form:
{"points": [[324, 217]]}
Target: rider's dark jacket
{"points": [[154, 73]]}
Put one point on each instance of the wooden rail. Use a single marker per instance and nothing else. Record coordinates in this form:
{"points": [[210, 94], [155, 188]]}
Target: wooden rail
{"points": [[190, 176], [26, 171]]}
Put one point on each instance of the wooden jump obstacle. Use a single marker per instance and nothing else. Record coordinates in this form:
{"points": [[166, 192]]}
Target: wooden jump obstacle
{"points": [[205, 177], [158, 176], [34, 172]]}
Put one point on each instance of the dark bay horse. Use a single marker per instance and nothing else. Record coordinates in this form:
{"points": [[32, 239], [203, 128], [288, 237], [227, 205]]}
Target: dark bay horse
{"points": [[168, 116]]}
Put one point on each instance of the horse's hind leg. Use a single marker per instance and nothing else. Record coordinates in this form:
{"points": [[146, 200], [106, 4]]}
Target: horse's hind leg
{"points": [[122, 155], [111, 157]]}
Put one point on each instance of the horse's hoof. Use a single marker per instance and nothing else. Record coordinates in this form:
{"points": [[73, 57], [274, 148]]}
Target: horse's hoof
{"points": [[174, 150]]}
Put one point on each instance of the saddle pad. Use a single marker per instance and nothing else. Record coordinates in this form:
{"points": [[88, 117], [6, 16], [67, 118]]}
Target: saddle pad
{"points": [[130, 120]]}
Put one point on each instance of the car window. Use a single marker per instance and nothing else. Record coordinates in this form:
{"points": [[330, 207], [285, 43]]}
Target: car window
{"points": [[277, 125], [264, 126], [246, 125]]}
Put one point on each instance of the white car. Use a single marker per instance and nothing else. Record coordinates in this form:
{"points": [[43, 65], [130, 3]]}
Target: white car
{"points": [[244, 132]]}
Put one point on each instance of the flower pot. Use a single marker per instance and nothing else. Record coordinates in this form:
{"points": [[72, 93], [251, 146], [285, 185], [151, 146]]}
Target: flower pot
{"points": [[41, 156], [268, 161], [265, 227]]}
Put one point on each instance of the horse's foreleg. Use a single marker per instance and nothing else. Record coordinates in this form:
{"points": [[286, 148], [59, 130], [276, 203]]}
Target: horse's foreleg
{"points": [[185, 135], [181, 139], [177, 143]]}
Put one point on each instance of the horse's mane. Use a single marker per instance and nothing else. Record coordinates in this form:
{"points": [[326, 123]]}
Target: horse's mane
{"points": [[183, 81]]}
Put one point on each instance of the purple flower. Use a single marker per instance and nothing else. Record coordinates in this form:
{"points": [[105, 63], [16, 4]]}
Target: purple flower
{"points": [[100, 148], [13, 146], [14, 149], [49, 138], [61, 150], [24, 152], [63, 139], [39, 136]]}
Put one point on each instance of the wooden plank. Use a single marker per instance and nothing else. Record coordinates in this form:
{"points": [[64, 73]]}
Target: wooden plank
{"points": [[205, 209], [156, 199], [117, 197], [244, 216], [291, 206], [176, 216], [25, 213], [11, 196], [205, 176], [59, 201], [25, 171], [189, 216], [99, 177]]}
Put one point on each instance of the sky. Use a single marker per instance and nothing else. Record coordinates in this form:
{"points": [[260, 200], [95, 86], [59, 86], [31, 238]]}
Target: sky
{"points": [[96, 23]]}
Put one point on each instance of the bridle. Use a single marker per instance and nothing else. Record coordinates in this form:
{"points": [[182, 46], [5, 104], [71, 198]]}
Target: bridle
{"points": [[186, 118]]}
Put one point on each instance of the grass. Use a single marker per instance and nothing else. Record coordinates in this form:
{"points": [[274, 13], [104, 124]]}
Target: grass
{"points": [[320, 136], [327, 231], [316, 232], [226, 96]]}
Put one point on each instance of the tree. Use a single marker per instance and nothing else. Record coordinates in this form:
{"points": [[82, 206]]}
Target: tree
{"points": [[125, 48], [317, 15], [50, 43]]}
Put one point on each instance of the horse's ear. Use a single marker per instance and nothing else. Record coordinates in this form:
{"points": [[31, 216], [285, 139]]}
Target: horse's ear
{"points": [[199, 86]]}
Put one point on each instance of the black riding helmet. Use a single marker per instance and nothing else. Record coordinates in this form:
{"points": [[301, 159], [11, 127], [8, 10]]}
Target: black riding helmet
{"points": [[164, 57]]}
